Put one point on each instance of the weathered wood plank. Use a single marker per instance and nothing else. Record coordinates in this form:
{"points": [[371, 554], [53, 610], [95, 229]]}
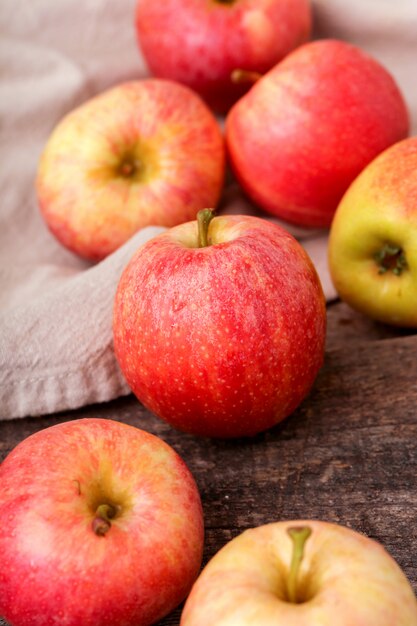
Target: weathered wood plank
{"points": [[348, 454]]}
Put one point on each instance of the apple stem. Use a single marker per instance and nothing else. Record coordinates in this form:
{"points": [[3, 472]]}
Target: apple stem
{"points": [[101, 522], [240, 76], [299, 536], [204, 218]]}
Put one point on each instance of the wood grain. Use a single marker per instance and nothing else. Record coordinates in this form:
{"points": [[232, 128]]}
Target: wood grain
{"points": [[347, 455]]}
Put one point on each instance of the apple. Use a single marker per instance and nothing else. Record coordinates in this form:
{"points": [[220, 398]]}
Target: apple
{"points": [[147, 152], [308, 127], [201, 43], [373, 238], [101, 524], [219, 325], [302, 573]]}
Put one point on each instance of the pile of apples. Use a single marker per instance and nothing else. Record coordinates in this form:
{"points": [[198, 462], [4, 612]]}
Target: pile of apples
{"points": [[219, 323]]}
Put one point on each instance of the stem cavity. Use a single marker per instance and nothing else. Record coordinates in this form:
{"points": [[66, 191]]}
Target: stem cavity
{"points": [[299, 536], [204, 218]]}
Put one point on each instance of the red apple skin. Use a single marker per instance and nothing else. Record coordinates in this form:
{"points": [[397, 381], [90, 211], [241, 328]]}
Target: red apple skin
{"points": [[225, 340], [55, 569], [307, 128], [165, 136], [200, 43]]}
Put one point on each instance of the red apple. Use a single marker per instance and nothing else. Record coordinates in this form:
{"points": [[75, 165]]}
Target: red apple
{"points": [[220, 333], [143, 153], [302, 573], [201, 43], [101, 524], [307, 128]]}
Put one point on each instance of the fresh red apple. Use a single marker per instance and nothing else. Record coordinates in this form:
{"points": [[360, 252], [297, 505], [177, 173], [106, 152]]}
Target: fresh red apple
{"points": [[101, 524], [200, 43], [219, 325], [373, 238], [302, 573], [307, 128], [143, 153]]}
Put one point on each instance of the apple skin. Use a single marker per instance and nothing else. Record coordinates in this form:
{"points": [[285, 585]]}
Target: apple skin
{"points": [[346, 579], [308, 127], [379, 208], [55, 569], [224, 340], [201, 43], [147, 152]]}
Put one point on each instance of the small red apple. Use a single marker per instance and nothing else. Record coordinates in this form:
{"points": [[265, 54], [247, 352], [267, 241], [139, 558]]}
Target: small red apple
{"points": [[143, 153], [301, 573], [201, 43], [307, 128], [219, 326], [101, 525]]}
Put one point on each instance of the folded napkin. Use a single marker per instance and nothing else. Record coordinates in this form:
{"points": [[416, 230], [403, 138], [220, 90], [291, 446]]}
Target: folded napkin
{"points": [[55, 310]]}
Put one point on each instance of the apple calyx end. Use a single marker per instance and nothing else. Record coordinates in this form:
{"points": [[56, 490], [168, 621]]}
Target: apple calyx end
{"points": [[391, 258], [299, 536], [204, 217], [101, 523], [131, 168]]}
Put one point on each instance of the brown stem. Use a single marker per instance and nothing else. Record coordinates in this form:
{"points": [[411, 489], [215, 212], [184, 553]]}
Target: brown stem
{"points": [[239, 77], [101, 523]]}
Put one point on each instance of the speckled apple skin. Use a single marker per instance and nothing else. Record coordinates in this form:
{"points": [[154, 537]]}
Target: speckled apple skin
{"points": [[346, 579], [89, 206], [380, 207], [55, 570], [226, 340], [201, 42], [306, 129]]}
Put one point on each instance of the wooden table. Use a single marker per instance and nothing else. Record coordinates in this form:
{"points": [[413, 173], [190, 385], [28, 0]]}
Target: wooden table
{"points": [[347, 455]]}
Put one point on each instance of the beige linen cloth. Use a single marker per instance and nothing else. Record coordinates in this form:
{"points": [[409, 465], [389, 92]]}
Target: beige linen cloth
{"points": [[55, 309]]}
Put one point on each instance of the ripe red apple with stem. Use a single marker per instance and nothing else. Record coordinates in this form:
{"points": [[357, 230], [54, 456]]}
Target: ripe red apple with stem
{"points": [[201, 43], [101, 523], [143, 153], [308, 127], [219, 325], [301, 573]]}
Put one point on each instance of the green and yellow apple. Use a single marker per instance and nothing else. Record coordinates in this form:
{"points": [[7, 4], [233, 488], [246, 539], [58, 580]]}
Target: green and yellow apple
{"points": [[143, 153], [101, 524], [219, 325], [308, 127], [302, 573], [373, 238], [200, 43]]}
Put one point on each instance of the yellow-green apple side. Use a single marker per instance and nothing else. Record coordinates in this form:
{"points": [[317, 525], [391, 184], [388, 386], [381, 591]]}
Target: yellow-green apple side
{"points": [[301, 573], [373, 238], [143, 153]]}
